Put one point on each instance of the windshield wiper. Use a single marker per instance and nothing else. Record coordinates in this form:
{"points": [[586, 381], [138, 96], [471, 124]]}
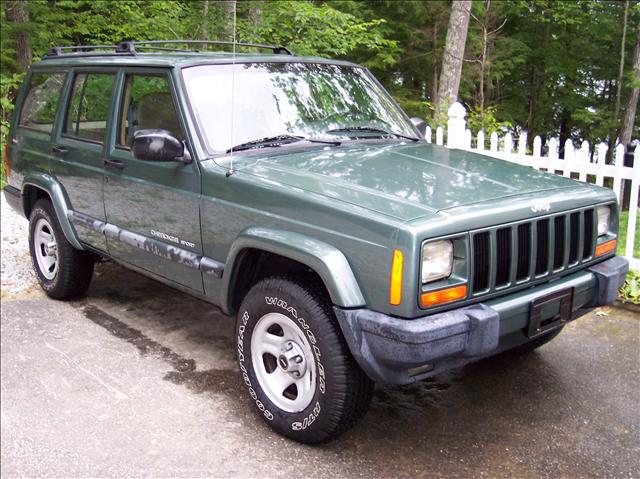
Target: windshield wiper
{"points": [[278, 140], [372, 129]]}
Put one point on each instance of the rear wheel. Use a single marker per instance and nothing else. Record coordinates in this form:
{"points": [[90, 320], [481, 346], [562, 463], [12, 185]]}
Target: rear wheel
{"points": [[295, 362], [63, 271]]}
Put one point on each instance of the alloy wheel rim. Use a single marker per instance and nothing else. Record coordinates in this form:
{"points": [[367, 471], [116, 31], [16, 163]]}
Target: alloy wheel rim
{"points": [[46, 249], [283, 362]]}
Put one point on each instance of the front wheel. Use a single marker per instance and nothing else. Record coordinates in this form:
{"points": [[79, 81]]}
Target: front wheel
{"points": [[295, 362]]}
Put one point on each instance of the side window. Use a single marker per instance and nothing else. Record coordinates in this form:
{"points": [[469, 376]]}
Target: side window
{"points": [[147, 104], [89, 106], [40, 104]]}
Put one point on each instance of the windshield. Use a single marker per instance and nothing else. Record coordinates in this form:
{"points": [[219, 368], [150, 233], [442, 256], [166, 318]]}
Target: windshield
{"points": [[309, 100]]}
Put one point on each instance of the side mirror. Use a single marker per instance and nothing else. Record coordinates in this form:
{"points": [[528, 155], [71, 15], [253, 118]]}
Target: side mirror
{"points": [[159, 145], [420, 125]]}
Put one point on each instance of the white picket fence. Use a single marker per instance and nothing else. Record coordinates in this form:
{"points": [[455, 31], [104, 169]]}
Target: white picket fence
{"points": [[577, 162]]}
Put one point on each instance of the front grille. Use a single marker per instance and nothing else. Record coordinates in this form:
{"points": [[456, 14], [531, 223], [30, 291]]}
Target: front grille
{"points": [[507, 255]]}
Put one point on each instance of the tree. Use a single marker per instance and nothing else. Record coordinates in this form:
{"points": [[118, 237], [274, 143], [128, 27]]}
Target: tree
{"points": [[632, 101], [17, 13], [453, 55]]}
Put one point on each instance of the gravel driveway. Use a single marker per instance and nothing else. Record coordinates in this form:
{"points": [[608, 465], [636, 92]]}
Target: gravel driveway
{"points": [[16, 274], [137, 379]]}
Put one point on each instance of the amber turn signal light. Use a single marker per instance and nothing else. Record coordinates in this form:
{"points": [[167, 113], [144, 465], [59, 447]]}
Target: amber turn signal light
{"points": [[395, 290], [443, 296], [606, 247]]}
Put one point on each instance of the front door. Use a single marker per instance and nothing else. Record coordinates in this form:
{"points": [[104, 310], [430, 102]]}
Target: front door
{"points": [[153, 206]]}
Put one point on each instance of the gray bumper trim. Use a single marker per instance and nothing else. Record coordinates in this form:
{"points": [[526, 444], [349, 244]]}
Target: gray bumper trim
{"points": [[388, 348], [610, 275]]}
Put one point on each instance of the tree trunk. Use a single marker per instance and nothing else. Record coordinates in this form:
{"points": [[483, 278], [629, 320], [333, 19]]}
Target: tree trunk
{"points": [[17, 13], [205, 20], [632, 101], [483, 62], [453, 55], [537, 82], [229, 10], [621, 69], [565, 129], [434, 65], [255, 14]]}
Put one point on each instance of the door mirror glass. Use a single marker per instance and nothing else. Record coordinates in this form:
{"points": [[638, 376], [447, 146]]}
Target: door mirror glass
{"points": [[420, 125], [158, 145]]}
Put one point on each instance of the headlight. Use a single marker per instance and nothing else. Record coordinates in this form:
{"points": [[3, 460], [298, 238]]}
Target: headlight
{"points": [[437, 260], [604, 213]]}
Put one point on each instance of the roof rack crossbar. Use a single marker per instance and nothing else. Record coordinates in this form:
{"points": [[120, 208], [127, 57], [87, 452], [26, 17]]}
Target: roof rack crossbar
{"points": [[164, 49], [128, 47], [276, 49]]}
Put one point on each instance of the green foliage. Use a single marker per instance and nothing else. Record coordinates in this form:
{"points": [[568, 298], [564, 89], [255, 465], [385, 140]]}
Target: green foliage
{"points": [[9, 84], [486, 120], [312, 29], [542, 63], [630, 291], [412, 107], [622, 234]]}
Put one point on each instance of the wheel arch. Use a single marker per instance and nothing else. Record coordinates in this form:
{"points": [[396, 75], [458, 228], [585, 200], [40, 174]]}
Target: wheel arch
{"points": [[35, 187], [255, 246]]}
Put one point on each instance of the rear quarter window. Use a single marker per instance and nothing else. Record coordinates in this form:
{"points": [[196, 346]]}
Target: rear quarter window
{"points": [[41, 102]]}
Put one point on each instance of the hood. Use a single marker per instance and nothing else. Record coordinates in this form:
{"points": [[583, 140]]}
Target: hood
{"points": [[405, 181]]}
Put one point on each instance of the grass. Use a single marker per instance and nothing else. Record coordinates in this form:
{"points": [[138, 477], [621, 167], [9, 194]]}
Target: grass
{"points": [[622, 234], [630, 291]]}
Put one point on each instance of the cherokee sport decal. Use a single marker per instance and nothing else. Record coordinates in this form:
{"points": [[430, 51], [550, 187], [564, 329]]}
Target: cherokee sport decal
{"points": [[173, 239]]}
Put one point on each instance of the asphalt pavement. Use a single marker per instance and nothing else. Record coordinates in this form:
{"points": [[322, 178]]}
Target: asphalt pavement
{"points": [[137, 379]]}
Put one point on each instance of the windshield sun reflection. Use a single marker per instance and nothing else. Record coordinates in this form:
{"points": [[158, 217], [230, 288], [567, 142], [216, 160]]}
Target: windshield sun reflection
{"points": [[310, 100]]}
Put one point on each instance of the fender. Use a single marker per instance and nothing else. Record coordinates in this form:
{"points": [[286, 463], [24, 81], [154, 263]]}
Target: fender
{"points": [[326, 260], [60, 203]]}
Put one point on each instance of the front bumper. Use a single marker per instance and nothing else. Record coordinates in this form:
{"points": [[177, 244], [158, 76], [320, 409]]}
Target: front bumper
{"points": [[399, 351]]}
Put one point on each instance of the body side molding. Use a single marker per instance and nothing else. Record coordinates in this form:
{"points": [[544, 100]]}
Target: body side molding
{"points": [[150, 245]]}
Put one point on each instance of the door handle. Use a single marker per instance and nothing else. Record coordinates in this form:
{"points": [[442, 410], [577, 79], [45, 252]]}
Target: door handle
{"points": [[115, 164], [59, 150]]}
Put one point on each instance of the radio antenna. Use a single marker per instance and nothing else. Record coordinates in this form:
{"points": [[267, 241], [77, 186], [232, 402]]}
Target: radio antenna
{"points": [[230, 171]]}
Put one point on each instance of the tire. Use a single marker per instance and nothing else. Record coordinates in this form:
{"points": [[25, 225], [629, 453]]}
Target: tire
{"points": [[63, 271], [536, 343], [292, 318]]}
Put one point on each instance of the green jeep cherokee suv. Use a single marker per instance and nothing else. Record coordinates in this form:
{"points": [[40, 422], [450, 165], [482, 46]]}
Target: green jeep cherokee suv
{"points": [[296, 195]]}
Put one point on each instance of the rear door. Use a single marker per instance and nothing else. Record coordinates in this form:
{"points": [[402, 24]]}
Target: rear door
{"points": [[30, 142], [154, 206], [78, 150]]}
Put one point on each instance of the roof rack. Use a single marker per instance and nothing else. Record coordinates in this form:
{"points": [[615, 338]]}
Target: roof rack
{"points": [[133, 48]]}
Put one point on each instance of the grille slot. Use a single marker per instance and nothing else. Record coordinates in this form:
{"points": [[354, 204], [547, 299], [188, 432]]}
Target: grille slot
{"points": [[518, 253], [559, 242], [524, 251], [588, 234], [481, 264], [542, 246], [503, 256], [574, 229]]}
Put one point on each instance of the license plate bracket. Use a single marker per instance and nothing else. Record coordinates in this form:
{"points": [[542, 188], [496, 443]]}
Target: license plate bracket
{"points": [[549, 312]]}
